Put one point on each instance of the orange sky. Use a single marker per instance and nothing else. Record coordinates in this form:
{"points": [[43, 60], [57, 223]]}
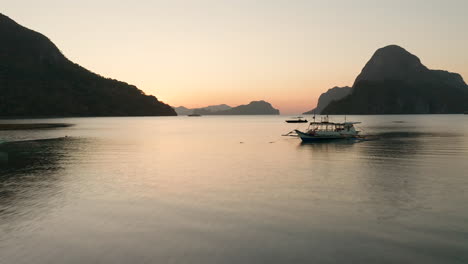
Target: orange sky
{"points": [[198, 53]]}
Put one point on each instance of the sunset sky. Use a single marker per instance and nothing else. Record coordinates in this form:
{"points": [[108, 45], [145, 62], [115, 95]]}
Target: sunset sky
{"points": [[198, 53]]}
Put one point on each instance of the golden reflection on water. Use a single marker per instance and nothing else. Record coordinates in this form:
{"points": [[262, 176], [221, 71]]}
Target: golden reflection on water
{"points": [[231, 189]]}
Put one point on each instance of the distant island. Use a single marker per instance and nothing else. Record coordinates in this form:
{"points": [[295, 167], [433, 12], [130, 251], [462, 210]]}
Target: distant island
{"points": [[36, 79], [395, 81], [181, 110], [253, 108]]}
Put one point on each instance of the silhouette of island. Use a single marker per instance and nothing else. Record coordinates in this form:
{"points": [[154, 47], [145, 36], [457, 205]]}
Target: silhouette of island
{"points": [[395, 81], [181, 110], [253, 108], [36, 79]]}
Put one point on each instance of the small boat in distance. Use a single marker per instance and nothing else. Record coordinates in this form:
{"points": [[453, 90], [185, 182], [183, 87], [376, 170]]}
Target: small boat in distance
{"points": [[194, 115], [326, 130], [298, 119]]}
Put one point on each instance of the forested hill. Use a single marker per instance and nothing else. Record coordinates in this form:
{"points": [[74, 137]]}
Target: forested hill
{"points": [[36, 79]]}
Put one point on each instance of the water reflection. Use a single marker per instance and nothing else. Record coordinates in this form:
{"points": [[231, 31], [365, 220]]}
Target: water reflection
{"points": [[174, 190], [27, 156], [390, 171], [30, 178], [396, 169], [328, 145]]}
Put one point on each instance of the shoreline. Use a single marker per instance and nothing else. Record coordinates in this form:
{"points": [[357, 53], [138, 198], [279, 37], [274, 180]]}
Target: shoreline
{"points": [[30, 126]]}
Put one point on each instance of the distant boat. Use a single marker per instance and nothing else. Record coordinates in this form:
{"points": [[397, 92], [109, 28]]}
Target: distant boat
{"points": [[326, 130], [298, 119], [194, 115]]}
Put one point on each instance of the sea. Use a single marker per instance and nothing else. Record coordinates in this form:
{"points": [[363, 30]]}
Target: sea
{"points": [[232, 189]]}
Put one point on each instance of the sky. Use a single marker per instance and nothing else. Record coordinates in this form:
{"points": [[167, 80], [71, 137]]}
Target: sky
{"points": [[203, 52]]}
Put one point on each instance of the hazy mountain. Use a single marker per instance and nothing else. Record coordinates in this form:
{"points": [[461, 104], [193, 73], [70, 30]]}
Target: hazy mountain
{"points": [[333, 94], [211, 109], [220, 107], [181, 110], [395, 81], [36, 79], [253, 108]]}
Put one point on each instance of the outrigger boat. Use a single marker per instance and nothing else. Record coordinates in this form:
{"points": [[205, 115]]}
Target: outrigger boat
{"points": [[326, 130], [298, 119]]}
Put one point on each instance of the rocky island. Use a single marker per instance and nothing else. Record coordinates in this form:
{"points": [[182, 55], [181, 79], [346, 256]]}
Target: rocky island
{"points": [[333, 94], [395, 81]]}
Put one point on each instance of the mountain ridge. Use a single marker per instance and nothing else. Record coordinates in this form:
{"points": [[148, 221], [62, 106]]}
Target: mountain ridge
{"points": [[36, 79], [181, 110], [253, 108]]}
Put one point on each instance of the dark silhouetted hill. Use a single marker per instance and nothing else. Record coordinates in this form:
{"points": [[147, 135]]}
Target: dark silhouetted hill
{"points": [[395, 81], [182, 110], [333, 94], [36, 79]]}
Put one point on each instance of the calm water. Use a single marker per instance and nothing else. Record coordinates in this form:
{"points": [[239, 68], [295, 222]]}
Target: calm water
{"points": [[232, 190]]}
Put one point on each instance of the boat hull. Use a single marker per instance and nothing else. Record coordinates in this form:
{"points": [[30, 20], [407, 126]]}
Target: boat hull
{"points": [[315, 138], [296, 121]]}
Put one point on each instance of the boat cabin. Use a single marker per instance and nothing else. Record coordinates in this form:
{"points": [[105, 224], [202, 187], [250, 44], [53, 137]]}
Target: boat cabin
{"points": [[331, 127]]}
